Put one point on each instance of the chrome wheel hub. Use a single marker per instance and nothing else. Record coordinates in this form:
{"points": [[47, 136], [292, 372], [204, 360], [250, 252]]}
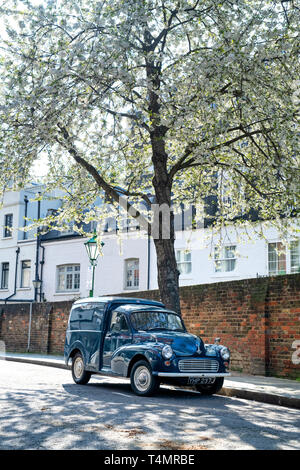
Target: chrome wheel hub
{"points": [[78, 367], [142, 378]]}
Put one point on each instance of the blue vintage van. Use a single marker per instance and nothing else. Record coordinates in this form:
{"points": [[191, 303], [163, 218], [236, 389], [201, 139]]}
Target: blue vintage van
{"points": [[142, 340]]}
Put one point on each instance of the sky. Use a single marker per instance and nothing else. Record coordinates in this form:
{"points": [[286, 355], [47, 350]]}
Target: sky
{"points": [[40, 167]]}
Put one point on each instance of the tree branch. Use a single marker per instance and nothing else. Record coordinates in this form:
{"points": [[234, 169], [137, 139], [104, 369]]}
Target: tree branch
{"points": [[108, 189], [180, 165]]}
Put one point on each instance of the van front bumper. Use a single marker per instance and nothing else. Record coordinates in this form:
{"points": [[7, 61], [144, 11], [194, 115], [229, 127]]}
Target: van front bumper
{"points": [[190, 374]]}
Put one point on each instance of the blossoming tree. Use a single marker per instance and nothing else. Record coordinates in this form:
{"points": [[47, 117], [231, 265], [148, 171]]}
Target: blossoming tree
{"points": [[156, 97]]}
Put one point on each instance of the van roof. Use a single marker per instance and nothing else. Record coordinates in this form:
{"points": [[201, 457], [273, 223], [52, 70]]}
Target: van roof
{"points": [[129, 308], [124, 300]]}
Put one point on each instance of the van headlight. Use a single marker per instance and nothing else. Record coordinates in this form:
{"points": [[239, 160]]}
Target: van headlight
{"points": [[225, 354], [167, 352]]}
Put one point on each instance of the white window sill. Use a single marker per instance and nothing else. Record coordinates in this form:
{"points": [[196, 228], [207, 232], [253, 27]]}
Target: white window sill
{"points": [[7, 238], [68, 293], [132, 288], [278, 274], [224, 274], [23, 288], [4, 290]]}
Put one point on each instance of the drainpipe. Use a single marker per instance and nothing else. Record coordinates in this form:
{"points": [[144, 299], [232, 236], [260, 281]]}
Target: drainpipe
{"points": [[42, 270], [25, 216], [37, 256], [16, 275]]}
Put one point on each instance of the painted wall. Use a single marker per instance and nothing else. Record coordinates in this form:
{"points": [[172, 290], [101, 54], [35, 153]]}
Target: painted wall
{"points": [[252, 256], [23, 242]]}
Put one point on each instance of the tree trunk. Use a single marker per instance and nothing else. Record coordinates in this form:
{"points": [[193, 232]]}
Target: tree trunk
{"points": [[167, 274], [164, 236]]}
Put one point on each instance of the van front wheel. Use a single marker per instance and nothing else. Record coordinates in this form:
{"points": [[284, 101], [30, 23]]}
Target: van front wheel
{"points": [[80, 376], [142, 381]]}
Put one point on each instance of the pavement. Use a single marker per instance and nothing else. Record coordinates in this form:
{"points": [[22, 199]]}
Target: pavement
{"points": [[270, 390]]}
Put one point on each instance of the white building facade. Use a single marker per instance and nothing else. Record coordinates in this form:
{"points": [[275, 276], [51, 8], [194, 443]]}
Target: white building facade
{"points": [[128, 261]]}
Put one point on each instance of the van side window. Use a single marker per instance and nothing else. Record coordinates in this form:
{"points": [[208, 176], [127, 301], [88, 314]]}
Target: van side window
{"points": [[87, 317], [118, 323]]}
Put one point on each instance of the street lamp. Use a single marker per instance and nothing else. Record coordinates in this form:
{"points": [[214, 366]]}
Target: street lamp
{"points": [[37, 283], [91, 247]]}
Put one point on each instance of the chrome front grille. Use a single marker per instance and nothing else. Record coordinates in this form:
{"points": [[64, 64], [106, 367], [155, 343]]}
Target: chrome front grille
{"points": [[198, 365]]}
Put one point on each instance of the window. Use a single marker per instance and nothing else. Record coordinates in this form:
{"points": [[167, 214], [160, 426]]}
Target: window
{"points": [[8, 223], [25, 273], [118, 323], [276, 258], [225, 258], [295, 256], [4, 275], [129, 224], [132, 273], [184, 261], [68, 278], [87, 317], [147, 321]]}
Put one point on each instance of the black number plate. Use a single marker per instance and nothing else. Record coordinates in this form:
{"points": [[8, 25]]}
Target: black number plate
{"points": [[201, 380]]}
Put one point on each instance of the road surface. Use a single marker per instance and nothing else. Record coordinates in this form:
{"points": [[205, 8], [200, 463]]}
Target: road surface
{"points": [[41, 408]]}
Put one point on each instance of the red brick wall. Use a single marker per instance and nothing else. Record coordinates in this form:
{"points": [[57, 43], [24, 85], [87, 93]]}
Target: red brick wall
{"points": [[258, 319], [283, 312], [58, 326], [14, 326]]}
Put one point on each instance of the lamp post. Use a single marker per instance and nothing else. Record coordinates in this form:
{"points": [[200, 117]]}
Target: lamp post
{"points": [[37, 283], [93, 253]]}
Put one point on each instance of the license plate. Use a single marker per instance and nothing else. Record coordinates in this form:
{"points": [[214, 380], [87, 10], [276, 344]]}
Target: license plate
{"points": [[201, 380]]}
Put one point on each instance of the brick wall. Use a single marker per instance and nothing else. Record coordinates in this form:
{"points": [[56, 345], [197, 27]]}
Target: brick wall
{"points": [[258, 319], [283, 314], [48, 326]]}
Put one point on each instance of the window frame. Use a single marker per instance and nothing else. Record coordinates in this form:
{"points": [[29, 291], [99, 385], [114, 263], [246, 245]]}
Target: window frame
{"points": [[22, 286], [184, 262], [223, 260], [73, 272], [5, 263], [284, 252], [297, 243], [133, 286], [7, 227]]}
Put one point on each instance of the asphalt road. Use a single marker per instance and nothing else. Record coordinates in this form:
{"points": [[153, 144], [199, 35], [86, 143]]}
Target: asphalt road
{"points": [[41, 408]]}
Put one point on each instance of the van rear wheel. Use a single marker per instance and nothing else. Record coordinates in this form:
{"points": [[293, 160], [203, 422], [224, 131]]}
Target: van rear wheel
{"points": [[80, 376]]}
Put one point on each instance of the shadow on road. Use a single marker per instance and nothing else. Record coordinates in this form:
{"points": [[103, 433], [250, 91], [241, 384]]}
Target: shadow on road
{"points": [[51, 412], [164, 393]]}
